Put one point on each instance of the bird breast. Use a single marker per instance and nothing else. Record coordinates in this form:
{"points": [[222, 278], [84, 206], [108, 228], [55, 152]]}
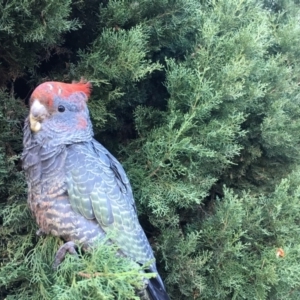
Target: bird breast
{"points": [[48, 197]]}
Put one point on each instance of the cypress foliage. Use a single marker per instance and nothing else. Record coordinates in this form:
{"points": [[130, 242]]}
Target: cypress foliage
{"points": [[29, 32], [199, 100]]}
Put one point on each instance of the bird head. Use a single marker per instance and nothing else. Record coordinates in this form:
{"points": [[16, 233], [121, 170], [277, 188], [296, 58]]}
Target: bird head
{"points": [[59, 110]]}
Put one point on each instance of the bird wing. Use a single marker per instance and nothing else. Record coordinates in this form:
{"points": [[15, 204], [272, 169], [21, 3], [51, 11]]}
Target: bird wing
{"points": [[98, 188]]}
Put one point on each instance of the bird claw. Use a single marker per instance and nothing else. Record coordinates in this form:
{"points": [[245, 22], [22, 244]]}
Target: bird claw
{"points": [[61, 253], [40, 232]]}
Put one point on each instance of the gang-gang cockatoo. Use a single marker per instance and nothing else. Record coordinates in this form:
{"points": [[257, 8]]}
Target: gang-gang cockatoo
{"points": [[77, 190]]}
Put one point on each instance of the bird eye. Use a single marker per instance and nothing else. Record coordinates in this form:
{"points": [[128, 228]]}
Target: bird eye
{"points": [[61, 108]]}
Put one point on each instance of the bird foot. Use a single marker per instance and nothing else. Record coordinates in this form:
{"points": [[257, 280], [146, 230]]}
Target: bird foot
{"points": [[61, 253], [40, 232]]}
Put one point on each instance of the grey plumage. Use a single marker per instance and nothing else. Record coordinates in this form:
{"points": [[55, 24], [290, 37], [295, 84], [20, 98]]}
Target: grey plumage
{"points": [[77, 190]]}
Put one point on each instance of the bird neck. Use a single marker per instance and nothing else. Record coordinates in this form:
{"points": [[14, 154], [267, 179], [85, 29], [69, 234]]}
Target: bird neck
{"points": [[47, 137]]}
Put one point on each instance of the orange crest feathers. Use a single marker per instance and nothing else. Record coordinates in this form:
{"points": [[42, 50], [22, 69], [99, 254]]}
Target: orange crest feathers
{"points": [[81, 86], [46, 91]]}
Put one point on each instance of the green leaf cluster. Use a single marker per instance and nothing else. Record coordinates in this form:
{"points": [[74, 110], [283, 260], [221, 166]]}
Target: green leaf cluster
{"points": [[30, 31]]}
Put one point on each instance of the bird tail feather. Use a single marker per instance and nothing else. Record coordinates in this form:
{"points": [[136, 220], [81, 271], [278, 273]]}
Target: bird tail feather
{"points": [[156, 289]]}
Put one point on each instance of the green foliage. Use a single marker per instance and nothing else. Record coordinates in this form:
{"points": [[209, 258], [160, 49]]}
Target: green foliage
{"points": [[29, 31], [234, 248], [100, 274], [116, 59], [199, 100], [120, 55], [14, 215]]}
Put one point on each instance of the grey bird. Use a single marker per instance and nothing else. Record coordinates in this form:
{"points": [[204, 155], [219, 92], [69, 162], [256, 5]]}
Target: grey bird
{"points": [[77, 190]]}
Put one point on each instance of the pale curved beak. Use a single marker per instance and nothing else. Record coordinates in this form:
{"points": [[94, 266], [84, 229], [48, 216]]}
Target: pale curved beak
{"points": [[38, 113]]}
